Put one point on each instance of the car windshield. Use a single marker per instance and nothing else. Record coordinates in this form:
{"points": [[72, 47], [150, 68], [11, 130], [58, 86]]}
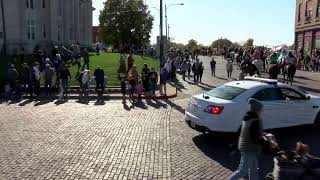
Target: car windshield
{"points": [[226, 92]]}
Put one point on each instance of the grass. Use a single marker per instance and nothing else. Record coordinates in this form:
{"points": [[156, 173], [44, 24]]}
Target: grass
{"points": [[109, 62]]}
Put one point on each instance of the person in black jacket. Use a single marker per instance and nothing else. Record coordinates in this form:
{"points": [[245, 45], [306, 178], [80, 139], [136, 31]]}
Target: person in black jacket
{"points": [[99, 77], [251, 142]]}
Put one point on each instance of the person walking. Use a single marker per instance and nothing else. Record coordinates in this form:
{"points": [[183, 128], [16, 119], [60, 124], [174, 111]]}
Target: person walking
{"points": [[195, 66], [48, 75], [99, 78], [229, 68], [124, 85], [86, 59], [251, 142], [189, 69], [213, 67]]}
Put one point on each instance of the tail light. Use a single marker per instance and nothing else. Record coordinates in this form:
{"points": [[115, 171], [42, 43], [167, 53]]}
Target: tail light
{"points": [[214, 109]]}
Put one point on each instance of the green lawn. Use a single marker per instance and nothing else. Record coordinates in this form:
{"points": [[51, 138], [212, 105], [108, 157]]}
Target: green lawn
{"points": [[109, 62]]}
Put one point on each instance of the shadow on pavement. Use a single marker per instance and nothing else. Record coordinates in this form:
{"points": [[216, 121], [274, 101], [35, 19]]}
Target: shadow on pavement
{"points": [[304, 78], [43, 102], [156, 104], [175, 106], [217, 147], [312, 90], [26, 102]]}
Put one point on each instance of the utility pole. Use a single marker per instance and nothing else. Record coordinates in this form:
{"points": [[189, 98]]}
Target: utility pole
{"points": [[4, 29], [161, 34], [166, 18]]}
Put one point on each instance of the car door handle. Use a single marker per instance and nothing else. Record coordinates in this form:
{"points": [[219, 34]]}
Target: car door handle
{"points": [[315, 107]]}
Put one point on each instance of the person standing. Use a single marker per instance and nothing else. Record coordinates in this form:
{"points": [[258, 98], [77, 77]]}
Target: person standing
{"points": [[145, 77], [99, 78], [84, 79], [86, 59], [213, 67], [48, 75], [65, 77], [195, 70], [25, 77], [251, 143], [153, 81], [189, 69], [229, 68], [164, 76], [184, 68], [200, 72], [13, 77], [130, 62], [98, 49], [35, 81]]}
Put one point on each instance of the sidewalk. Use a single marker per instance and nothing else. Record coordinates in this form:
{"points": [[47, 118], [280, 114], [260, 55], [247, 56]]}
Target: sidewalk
{"points": [[112, 93]]}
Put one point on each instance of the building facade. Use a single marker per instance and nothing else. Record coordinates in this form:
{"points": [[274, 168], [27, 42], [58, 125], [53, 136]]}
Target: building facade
{"points": [[45, 22], [307, 25]]}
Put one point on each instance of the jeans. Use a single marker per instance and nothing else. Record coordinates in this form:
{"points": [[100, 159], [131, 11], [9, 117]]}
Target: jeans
{"points": [[153, 87], [229, 73], [213, 72], [100, 85], [248, 167]]}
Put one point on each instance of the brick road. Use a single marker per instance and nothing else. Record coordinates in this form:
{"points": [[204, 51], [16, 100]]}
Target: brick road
{"points": [[151, 141]]}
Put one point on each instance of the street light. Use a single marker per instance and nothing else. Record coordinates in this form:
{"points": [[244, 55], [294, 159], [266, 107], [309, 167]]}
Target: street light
{"points": [[166, 8]]}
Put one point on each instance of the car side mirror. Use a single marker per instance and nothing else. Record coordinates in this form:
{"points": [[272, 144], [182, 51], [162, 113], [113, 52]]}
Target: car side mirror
{"points": [[308, 97]]}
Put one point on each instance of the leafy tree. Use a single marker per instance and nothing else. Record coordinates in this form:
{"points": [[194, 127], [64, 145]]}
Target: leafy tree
{"points": [[192, 45], [125, 21], [249, 42], [236, 45], [178, 46], [219, 43]]}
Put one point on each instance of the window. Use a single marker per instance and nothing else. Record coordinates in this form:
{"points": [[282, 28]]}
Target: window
{"points": [[60, 7], [59, 32], [308, 14], [299, 13], [44, 30], [226, 92], [270, 94], [292, 95], [30, 4], [31, 29], [1, 35], [43, 3]]}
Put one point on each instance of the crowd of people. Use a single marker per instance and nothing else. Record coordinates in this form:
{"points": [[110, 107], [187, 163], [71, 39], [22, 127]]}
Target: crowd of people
{"points": [[24, 77]]}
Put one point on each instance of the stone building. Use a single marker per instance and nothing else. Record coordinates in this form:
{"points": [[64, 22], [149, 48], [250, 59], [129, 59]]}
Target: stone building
{"points": [[45, 22]]}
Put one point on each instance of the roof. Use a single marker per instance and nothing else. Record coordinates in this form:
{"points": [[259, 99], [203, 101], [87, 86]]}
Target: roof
{"points": [[248, 84]]}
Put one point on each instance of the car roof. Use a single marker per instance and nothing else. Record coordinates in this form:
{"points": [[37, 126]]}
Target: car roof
{"points": [[245, 84]]}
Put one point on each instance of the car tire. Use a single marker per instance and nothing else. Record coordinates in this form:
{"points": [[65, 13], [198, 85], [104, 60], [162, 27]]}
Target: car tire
{"points": [[317, 121]]}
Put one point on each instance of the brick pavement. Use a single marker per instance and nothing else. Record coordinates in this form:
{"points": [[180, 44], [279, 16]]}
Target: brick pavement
{"points": [[74, 141]]}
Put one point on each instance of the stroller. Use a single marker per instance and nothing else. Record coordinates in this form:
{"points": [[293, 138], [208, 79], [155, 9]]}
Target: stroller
{"points": [[295, 165]]}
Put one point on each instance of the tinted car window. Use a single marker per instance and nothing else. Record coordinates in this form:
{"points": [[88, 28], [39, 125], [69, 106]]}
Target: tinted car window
{"points": [[292, 95], [226, 92], [270, 94]]}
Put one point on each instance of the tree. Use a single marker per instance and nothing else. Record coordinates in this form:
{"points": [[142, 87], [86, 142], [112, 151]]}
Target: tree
{"points": [[219, 43], [192, 45], [178, 46], [236, 45], [249, 43], [125, 21]]}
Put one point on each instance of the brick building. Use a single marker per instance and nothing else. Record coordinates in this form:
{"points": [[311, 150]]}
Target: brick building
{"points": [[95, 34], [307, 26]]}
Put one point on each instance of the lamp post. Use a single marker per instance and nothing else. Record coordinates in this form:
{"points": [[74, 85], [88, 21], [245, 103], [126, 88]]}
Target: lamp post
{"points": [[3, 29], [166, 15], [161, 33]]}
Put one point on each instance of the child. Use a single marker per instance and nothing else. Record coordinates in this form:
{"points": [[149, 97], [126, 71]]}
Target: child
{"points": [[124, 84], [139, 89]]}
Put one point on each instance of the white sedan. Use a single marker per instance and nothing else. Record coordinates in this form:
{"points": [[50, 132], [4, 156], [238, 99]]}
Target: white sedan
{"points": [[222, 109]]}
